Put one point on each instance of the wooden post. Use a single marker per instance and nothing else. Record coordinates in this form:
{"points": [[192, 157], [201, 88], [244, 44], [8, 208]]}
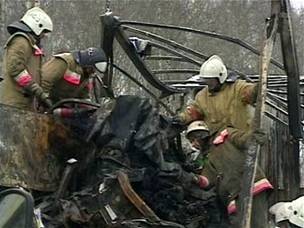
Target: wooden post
{"points": [[253, 151]]}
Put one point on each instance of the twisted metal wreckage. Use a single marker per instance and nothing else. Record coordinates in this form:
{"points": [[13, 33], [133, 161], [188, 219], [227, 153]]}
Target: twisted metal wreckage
{"points": [[127, 170]]}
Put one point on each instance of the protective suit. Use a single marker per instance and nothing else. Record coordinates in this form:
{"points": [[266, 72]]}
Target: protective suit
{"points": [[22, 61], [224, 169], [69, 75], [227, 106]]}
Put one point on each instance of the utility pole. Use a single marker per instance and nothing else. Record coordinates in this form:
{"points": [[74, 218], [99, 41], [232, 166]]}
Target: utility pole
{"points": [[246, 194]]}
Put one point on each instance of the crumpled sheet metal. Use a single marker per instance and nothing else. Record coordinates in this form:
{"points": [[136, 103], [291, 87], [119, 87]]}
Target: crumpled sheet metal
{"points": [[33, 149]]}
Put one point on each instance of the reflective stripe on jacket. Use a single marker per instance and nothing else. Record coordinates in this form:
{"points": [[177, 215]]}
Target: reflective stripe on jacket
{"points": [[21, 64], [63, 78]]}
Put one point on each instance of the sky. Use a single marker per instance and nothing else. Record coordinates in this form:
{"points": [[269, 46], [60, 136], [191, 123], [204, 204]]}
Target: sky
{"points": [[297, 3]]}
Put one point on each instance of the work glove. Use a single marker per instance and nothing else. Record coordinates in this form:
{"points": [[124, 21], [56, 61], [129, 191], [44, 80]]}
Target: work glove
{"points": [[45, 100], [201, 181], [259, 136], [36, 90]]}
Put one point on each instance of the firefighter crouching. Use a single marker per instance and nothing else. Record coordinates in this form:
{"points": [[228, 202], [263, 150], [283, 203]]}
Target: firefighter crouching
{"points": [[223, 166], [22, 61], [69, 75]]}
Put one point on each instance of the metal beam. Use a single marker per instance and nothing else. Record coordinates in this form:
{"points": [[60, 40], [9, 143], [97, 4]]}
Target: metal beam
{"points": [[205, 33]]}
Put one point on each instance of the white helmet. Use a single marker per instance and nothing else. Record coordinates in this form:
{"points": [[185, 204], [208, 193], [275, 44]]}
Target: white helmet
{"points": [[37, 20], [214, 67], [291, 211], [198, 125], [297, 217]]}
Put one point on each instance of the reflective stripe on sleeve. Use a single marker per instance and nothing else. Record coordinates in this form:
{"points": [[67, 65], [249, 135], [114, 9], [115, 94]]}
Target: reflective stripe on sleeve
{"points": [[23, 79], [221, 138], [72, 77], [259, 186]]}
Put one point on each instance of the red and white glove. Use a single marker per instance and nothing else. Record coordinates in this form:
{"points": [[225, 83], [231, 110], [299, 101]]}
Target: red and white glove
{"points": [[202, 181]]}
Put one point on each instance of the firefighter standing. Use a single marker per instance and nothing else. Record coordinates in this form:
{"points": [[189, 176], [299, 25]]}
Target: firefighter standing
{"points": [[223, 167], [222, 103], [68, 75], [22, 61]]}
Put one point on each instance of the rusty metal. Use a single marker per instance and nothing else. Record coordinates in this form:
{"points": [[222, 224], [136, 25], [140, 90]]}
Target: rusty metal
{"points": [[31, 148], [135, 199]]}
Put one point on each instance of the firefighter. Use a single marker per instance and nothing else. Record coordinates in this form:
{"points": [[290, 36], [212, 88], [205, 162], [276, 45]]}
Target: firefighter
{"points": [[221, 103], [223, 167], [289, 214], [22, 61], [68, 75]]}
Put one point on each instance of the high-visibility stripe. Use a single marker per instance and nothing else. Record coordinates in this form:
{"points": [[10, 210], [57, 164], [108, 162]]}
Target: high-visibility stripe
{"points": [[23, 79], [259, 186], [72, 77], [221, 137]]}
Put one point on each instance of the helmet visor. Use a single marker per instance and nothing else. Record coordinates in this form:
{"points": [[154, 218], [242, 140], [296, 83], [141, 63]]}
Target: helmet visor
{"points": [[101, 66]]}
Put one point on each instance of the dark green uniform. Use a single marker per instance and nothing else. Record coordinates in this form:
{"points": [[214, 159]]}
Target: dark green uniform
{"points": [[21, 71], [225, 165]]}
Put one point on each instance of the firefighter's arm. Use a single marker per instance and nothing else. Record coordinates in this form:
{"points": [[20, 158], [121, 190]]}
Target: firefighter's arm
{"points": [[238, 137], [191, 113], [241, 138], [18, 53], [207, 178], [247, 91], [88, 89], [51, 72]]}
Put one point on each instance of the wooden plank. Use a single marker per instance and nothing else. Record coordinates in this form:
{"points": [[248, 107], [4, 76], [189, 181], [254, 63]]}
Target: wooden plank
{"points": [[253, 151]]}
